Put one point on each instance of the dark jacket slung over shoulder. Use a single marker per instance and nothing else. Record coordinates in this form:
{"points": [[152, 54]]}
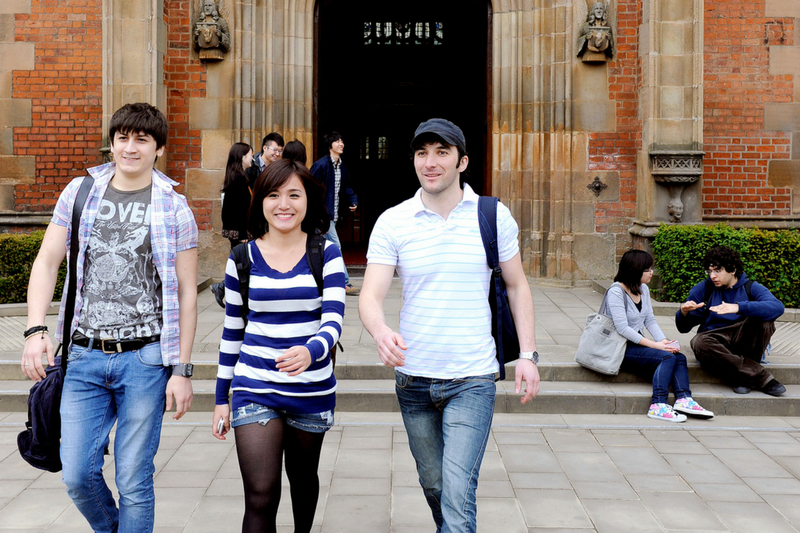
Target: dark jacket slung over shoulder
{"points": [[322, 169], [235, 208], [763, 305]]}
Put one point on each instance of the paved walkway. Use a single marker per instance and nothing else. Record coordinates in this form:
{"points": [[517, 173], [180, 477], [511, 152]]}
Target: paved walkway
{"points": [[553, 473]]}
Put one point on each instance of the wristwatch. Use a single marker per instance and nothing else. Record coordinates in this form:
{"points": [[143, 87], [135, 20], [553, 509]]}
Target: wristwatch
{"points": [[183, 369], [530, 356]]}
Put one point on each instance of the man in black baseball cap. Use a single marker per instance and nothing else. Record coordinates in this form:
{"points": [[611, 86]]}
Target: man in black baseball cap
{"points": [[443, 352]]}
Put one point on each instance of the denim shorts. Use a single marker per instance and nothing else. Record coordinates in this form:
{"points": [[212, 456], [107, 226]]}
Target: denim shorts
{"points": [[310, 422]]}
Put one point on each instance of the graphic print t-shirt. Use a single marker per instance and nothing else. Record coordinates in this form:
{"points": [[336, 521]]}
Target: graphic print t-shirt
{"points": [[121, 290]]}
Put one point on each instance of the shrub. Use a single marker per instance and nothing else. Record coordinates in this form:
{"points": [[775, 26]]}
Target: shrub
{"points": [[17, 252], [771, 258]]}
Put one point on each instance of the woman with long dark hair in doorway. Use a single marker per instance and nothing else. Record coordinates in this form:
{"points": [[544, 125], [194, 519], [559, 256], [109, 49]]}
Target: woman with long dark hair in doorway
{"points": [[277, 363], [236, 194]]}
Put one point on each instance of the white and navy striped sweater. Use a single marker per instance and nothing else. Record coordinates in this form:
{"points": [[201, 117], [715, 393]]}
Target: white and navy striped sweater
{"points": [[285, 310]]}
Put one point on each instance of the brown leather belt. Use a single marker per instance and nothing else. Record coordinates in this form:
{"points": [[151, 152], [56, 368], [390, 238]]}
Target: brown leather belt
{"points": [[113, 345]]}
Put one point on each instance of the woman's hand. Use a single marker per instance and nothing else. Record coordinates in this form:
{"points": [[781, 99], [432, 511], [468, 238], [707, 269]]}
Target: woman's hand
{"points": [[664, 344], [221, 412], [294, 360]]}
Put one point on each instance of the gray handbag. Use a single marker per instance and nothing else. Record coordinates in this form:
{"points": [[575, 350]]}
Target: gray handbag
{"points": [[601, 348]]}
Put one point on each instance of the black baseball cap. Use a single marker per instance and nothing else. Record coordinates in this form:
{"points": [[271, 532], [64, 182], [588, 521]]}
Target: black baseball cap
{"points": [[444, 129]]}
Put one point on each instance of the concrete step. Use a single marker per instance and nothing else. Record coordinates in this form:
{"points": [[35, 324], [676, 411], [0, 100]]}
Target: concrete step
{"points": [[555, 397], [205, 367]]}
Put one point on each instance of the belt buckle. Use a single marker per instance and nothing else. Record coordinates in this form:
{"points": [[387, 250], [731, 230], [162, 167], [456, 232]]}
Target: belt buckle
{"points": [[116, 349]]}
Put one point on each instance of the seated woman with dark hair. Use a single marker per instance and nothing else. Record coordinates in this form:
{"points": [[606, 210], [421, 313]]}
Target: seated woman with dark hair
{"points": [[659, 360]]}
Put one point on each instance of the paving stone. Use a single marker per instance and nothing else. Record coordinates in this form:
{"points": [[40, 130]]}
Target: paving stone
{"points": [[726, 492], [492, 467], [500, 515], [701, 469], [217, 513], [619, 438], [772, 485], [751, 517], [174, 508], [650, 483], [362, 486], [792, 464], [491, 488], [571, 441], [552, 508], [689, 448], [621, 517], [681, 510], [786, 506], [589, 467], [539, 480], [602, 490], [725, 442], [363, 463], [358, 514], [519, 437], [751, 463], [639, 461], [27, 511]]}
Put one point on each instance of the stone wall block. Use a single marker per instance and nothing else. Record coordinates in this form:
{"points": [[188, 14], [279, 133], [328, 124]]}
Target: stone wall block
{"points": [[784, 60], [674, 70], [6, 27], [17, 170], [6, 140], [595, 256], [589, 82], [675, 10], [210, 114], [204, 184], [15, 112], [594, 116], [673, 131], [671, 37], [671, 102], [7, 198], [15, 6], [782, 117], [216, 145], [782, 8], [17, 56], [583, 217]]}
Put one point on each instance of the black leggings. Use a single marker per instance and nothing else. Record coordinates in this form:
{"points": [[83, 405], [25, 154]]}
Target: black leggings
{"points": [[260, 450]]}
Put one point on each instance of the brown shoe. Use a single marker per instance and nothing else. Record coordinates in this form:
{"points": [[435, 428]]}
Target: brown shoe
{"points": [[351, 291]]}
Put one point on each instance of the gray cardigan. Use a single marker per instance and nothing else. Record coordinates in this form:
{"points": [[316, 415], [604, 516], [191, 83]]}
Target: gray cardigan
{"points": [[630, 325]]}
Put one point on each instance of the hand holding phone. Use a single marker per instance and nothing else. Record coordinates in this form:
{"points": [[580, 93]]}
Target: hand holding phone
{"points": [[674, 344], [220, 426]]}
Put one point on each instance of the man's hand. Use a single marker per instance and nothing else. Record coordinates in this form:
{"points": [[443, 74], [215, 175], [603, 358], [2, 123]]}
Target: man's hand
{"points": [[353, 207], [32, 356], [526, 371], [725, 309], [691, 305], [390, 349], [294, 360], [179, 388]]}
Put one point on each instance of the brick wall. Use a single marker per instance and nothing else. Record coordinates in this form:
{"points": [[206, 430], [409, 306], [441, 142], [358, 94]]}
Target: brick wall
{"points": [[737, 84], [65, 89], [617, 151], [184, 78]]}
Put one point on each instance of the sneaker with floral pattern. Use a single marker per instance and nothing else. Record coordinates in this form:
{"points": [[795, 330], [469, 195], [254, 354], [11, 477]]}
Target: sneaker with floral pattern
{"points": [[663, 411], [690, 407]]}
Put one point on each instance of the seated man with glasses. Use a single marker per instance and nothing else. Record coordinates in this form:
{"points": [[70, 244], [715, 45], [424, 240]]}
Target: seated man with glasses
{"points": [[736, 318]]}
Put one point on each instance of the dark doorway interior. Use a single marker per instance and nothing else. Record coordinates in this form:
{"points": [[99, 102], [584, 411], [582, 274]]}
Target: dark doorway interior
{"points": [[384, 67]]}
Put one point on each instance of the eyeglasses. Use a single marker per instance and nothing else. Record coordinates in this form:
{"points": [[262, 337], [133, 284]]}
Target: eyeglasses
{"points": [[715, 271], [275, 150]]}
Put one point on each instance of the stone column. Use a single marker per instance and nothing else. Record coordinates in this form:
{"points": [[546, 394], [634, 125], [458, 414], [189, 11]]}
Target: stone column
{"points": [[669, 166], [14, 112], [135, 42]]}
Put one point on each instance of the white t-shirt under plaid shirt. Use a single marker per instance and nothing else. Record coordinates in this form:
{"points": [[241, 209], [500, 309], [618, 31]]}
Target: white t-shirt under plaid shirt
{"points": [[337, 180], [445, 320]]}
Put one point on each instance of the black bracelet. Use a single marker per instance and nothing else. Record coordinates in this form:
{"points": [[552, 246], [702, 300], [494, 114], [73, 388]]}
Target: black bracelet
{"points": [[35, 329]]}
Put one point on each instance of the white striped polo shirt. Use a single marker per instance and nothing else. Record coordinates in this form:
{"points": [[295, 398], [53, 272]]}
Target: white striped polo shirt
{"points": [[445, 320]]}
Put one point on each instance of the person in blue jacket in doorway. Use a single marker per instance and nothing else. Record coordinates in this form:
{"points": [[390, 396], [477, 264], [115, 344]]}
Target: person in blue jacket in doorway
{"points": [[737, 320]]}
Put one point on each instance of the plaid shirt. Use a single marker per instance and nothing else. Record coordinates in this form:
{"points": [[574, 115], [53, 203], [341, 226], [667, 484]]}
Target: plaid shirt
{"points": [[172, 230], [337, 175]]}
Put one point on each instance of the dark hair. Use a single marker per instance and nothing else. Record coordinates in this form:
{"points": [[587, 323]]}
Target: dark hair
{"points": [[431, 138], [234, 166], [273, 178], [724, 257], [139, 118], [296, 151], [274, 136], [631, 267], [329, 138]]}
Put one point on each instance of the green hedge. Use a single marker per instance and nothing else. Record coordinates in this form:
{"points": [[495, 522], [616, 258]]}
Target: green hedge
{"points": [[770, 257], [17, 252]]}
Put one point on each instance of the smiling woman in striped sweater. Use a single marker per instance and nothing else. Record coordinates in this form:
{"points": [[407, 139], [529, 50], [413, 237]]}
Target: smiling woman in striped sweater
{"points": [[278, 365]]}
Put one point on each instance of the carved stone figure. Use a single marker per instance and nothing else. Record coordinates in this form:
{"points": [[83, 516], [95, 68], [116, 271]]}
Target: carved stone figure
{"points": [[211, 35], [596, 40], [675, 207]]}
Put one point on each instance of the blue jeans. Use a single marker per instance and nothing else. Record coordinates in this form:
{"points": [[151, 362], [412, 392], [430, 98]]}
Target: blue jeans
{"points": [[448, 423], [100, 389], [663, 367], [334, 238]]}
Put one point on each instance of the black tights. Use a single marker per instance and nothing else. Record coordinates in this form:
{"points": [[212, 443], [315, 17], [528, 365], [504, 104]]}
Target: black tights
{"points": [[260, 449]]}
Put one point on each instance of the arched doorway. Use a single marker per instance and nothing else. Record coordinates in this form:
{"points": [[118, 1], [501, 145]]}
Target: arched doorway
{"points": [[381, 68]]}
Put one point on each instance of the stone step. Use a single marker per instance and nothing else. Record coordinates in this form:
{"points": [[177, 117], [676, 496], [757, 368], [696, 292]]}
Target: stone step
{"points": [[555, 397], [205, 367]]}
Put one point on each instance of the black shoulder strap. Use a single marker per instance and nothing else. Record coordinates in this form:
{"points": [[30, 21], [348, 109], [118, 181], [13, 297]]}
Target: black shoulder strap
{"points": [[315, 255], [487, 220], [242, 259], [75, 228], [747, 288]]}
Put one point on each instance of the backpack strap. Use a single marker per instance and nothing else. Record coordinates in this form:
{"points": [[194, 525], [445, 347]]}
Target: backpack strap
{"points": [[487, 220], [75, 228], [241, 257], [315, 255]]}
